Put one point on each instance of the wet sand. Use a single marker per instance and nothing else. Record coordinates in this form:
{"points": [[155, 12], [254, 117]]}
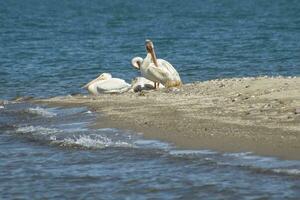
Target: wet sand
{"points": [[261, 115]]}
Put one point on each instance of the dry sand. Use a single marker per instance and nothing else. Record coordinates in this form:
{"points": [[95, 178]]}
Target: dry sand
{"points": [[261, 115]]}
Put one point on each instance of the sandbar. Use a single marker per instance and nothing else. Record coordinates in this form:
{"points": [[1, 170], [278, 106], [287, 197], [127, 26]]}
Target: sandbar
{"points": [[250, 114]]}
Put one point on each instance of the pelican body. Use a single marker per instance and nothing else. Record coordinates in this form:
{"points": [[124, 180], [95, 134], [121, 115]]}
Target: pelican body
{"points": [[106, 84], [156, 70], [140, 83]]}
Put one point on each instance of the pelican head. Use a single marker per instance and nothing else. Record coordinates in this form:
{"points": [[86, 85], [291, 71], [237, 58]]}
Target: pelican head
{"points": [[137, 62], [149, 46], [101, 77], [104, 76], [150, 49]]}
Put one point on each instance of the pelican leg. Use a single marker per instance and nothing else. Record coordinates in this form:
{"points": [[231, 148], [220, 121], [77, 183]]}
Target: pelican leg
{"points": [[154, 85]]}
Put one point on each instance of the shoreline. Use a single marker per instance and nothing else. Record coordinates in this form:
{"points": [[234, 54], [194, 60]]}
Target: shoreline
{"points": [[258, 114]]}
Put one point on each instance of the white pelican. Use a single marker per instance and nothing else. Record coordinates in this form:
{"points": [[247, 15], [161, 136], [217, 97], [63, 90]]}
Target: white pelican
{"points": [[106, 84], [156, 70], [140, 83]]}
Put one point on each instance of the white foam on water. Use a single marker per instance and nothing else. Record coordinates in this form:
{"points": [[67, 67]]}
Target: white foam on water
{"points": [[239, 154], [86, 141], [192, 152], [39, 133], [110, 137], [249, 157], [246, 160], [38, 129], [264, 163], [5, 102], [287, 171], [76, 135], [41, 111], [63, 138], [53, 138], [74, 126], [108, 129], [155, 144], [97, 141]]}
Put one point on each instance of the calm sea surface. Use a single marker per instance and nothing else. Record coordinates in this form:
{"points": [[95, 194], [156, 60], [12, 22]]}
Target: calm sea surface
{"points": [[50, 48], [53, 47]]}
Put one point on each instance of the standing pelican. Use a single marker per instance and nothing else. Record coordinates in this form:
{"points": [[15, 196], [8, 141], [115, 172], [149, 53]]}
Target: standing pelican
{"points": [[156, 70], [106, 84]]}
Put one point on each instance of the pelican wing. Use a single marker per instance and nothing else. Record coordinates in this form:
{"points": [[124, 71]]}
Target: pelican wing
{"points": [[169, 68], [157, 74], [164, 73]]}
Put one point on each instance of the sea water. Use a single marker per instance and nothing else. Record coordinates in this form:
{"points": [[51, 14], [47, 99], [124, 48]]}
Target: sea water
{"points": [[54, 154], [50, 48]]}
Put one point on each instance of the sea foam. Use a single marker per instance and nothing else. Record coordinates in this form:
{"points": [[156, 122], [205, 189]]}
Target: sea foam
{"points": [[97, 141], [65, 138], [41, 111]]}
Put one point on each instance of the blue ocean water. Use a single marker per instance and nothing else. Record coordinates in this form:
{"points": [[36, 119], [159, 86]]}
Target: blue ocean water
{"points": [[51, 153], [53, 47], [50, 48]]}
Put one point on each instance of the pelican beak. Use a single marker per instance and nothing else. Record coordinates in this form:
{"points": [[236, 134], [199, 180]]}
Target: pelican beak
{"points": [[150, 49], [136, 65], [89, 83], [86, 85]]}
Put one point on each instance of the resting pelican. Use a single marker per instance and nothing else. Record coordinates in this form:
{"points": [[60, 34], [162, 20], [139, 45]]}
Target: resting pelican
{"points": [[156, 70], [140, 83], [106, 84]]}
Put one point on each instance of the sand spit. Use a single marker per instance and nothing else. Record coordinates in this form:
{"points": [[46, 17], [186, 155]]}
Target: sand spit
{"points": [[261, 115]]}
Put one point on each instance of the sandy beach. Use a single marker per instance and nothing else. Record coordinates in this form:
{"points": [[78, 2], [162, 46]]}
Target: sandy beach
{"points": [[260, 115]]}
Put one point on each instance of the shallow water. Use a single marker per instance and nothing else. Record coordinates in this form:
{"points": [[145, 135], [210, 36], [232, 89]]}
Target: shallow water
{"points": [[52, 153], [50, 48]]}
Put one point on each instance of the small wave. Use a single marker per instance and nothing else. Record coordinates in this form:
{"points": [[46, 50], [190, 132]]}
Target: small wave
{"points": [[263, 164], [4, 102], [85, 141], [244, 160], [240, 154], [155, 144], [39, 134], [250, 157], [37, 130], [287, 171], [41, 111], [192, 152], [63, 138], [267, 170], [74, 126], [108, 137], [97, 141], [108, 129], [1, 107]]}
